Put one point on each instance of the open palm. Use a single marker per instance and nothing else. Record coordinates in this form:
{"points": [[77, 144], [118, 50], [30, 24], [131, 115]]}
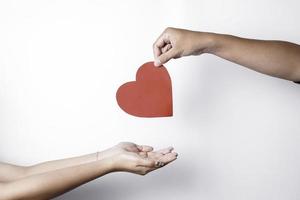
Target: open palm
{"points": [[139, 159]]}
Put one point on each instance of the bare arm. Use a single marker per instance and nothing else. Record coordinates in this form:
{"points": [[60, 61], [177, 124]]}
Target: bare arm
{"points": [[9, 172], [51, 184], [59, 164], [275, 58], [50, 179]]}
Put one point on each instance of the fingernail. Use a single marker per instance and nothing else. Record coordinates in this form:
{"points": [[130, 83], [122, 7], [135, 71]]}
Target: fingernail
{"points": [[156, 164], [159, 164]]}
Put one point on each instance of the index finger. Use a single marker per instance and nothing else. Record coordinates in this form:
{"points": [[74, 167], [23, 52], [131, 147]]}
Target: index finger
{"points": [[161, 41]]}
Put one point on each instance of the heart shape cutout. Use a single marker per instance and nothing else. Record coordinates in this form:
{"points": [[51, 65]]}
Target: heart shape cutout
{"points": [[150, 95]]}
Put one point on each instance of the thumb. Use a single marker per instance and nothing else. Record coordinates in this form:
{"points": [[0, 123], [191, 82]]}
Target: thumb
{"points": [[165, 57]]}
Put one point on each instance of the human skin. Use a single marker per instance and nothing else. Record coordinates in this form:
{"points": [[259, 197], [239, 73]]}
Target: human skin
{"points": [[275, 58], [51, 179]]}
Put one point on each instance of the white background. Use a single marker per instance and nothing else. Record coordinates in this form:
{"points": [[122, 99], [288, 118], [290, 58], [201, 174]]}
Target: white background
{"points": [[237, 132]]}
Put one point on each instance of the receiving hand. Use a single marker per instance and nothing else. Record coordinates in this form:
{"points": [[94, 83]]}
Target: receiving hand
{"points": [[138, 159], [176, 43]]}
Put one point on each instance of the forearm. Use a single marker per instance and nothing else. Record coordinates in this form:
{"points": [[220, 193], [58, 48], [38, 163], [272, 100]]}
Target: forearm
{"points": [[51, 184], [59, 164], [275, 58], [9, 172]]}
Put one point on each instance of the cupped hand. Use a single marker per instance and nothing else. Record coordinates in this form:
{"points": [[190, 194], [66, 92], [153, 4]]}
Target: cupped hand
{"points": [[139, 159], [176, 43]]}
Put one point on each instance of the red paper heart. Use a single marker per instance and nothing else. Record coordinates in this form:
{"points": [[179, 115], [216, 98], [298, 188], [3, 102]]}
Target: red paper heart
{"points": [[150, 95]]}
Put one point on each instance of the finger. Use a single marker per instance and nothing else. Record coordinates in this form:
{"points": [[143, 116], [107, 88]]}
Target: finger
{"points": [[166, 48], [161, 42], [145, 148], [165, 150], [166, 159], [158, 44], [156, 51], [159, 164], [165, 57], [160, 153], [155, 155]]}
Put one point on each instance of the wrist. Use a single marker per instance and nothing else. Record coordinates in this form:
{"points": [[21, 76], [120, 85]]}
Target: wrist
{"points": [[101, 155], [211, 43], [109, 164], [109, 158]]}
